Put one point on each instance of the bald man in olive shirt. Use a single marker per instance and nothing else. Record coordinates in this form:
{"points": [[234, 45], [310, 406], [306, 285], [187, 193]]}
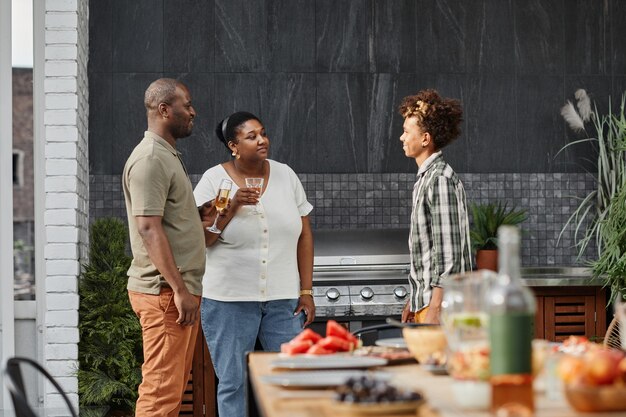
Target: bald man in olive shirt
{"points": [[167, 241]]}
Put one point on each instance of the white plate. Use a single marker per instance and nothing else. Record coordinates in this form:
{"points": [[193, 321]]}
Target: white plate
{"points": [[394, 342], [328, 362], [318, 379]]}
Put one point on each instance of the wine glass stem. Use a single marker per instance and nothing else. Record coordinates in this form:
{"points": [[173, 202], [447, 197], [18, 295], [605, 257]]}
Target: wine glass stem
{"points": [[215, 222]]}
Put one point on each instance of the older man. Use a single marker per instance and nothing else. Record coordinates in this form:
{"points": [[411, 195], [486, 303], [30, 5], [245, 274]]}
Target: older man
{"points": [[167, 240]]}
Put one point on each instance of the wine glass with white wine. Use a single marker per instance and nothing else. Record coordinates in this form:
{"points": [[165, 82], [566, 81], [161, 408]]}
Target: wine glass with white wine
{"points": [[257, 184], [221, 201]]}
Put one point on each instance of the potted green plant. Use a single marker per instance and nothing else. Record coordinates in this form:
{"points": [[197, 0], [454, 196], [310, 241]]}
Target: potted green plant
{"points": [[486, 219], [110, 348], [609, 145]]}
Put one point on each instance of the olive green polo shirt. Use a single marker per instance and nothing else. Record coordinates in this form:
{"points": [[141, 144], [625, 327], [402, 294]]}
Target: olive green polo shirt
{"points": [[156, 183]]}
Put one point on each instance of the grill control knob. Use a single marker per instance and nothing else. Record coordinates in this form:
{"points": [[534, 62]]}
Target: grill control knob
{"points": [[332, 294], [400, 292], [367, 293]]}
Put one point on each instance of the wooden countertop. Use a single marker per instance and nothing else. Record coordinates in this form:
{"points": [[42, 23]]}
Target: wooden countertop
{"points": [[275, 401]]}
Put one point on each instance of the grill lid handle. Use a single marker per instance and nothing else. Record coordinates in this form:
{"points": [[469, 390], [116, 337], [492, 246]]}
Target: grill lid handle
{"points": [[348, 260]]}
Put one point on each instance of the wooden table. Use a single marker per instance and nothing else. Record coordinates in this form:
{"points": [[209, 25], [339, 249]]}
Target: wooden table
{"points": [[274, 401]]}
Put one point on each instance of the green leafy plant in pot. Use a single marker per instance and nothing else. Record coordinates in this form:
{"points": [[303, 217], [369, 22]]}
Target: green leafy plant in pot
{"points": [[486, 219], [110, 348]]}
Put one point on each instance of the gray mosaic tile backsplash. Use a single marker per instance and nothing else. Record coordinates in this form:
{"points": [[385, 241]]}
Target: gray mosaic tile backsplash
{"points": [[353, 201]]}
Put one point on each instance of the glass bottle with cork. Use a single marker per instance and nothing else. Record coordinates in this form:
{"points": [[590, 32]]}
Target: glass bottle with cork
{"points": [[512, 308]]}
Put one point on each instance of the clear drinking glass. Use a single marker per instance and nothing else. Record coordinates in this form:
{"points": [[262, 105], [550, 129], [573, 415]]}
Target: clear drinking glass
{"points": [[256, 183], [465, 322], [221, 201]]}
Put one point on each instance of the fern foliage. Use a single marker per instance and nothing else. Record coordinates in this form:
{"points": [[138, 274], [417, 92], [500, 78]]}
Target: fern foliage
{"points": [[110, 348]]}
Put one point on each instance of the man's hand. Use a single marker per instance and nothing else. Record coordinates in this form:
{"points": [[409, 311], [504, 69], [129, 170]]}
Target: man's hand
{"points": [[187, 307], [407, 315]]}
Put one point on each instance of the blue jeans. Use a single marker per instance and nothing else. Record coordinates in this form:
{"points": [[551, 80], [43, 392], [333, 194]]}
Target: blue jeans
{"points": [[231, 330]]}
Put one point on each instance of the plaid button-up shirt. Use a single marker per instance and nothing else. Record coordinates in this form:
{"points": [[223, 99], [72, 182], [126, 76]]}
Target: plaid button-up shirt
{"points": [[439, 235]]}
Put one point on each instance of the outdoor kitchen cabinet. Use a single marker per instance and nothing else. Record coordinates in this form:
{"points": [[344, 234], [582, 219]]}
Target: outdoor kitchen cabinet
{"points": [[199, 397], [570, 310]]}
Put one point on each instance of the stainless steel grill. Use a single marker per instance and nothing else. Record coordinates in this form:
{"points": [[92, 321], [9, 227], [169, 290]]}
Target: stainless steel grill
{"points": [[360, 276]]}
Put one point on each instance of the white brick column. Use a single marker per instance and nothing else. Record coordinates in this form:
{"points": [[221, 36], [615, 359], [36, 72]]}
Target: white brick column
{"points": [[66, 186]]}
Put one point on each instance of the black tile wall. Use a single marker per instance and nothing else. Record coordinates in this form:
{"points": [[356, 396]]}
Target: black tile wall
{"points": [[240, 36], [187, 24], [539, 41], [342, 28], [341, 142], [137, 35], [490, 40], [291, 121], [129, 117], [441, 35], [200, 146], [101, 157], [100, 37], [327, 76], [538, 95], [587, 38], [394, 33], [291, 35], [491, 113], [353, 201], [617, 17]]}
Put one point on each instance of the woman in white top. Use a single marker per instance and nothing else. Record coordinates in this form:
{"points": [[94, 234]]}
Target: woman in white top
{"points": [[258, 280]]}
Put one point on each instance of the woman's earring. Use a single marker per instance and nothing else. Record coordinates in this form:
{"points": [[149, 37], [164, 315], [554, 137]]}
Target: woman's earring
{"points": [[236, 155]]}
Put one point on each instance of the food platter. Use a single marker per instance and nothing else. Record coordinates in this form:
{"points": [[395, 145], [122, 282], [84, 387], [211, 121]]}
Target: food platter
{"points": [[336, 361]]}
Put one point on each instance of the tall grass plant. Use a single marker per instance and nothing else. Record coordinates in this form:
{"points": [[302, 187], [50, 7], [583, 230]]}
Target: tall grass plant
{"points": [[609, 145]]}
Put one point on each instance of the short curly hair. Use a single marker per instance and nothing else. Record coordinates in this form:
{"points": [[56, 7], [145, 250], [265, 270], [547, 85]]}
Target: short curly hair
{"points": [[441, 117]]}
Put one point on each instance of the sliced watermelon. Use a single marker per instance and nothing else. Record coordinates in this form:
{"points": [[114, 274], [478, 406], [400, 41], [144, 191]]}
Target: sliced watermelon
{"points": [[308, 334], [318, 350], [296, 346], [335, 329]]}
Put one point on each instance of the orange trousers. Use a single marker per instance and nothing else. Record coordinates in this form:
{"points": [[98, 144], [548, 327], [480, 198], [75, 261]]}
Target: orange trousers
{"points": [[167, 353]]}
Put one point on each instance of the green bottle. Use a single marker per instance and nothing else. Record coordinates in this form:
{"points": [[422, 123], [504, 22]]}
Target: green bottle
{"points": [[511, 309]]}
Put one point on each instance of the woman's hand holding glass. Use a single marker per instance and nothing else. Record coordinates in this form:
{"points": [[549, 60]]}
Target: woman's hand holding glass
{"points": [[246, 196], [255, 184], [243, 197]]}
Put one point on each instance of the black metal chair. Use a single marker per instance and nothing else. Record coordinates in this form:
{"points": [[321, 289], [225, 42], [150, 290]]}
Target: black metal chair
{"points": [[15, 384]]}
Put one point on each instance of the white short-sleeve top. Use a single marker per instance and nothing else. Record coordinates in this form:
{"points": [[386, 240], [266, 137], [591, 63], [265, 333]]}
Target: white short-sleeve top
{"points": [[255, 257]]}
